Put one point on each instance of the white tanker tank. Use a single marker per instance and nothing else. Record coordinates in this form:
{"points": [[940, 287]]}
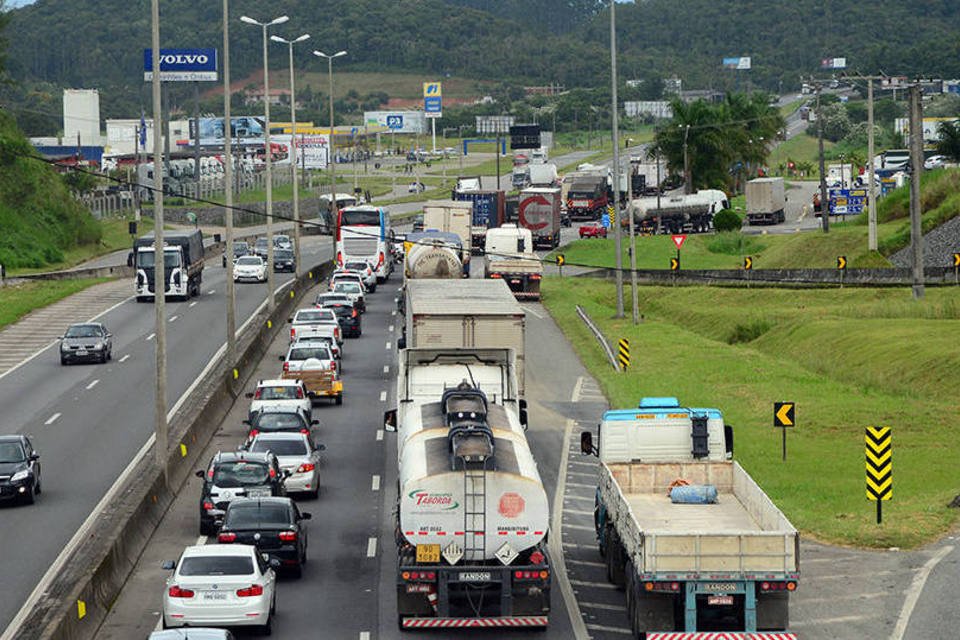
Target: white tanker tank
{"points": [[433, 255], [679, 212]]}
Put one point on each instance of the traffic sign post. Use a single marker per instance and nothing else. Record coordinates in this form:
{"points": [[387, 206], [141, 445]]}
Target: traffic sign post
{"points": [[956, 268], [623, 355], [561, 260], [784, 416], [841, 267], [675, 263], [747, 263], [879, 452], [677, 240]]}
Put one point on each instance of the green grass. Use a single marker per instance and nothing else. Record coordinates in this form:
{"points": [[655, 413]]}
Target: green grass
{"points": [[801, 148], [18, 300], [848, 358], [791, 108]]}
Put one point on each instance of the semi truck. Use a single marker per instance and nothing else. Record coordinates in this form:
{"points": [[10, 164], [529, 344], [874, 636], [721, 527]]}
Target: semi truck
{"points": [[182, 263], [488, 212], [435, 254], [472, 515], [543, 175], [690, 213], [463, 314], [450, 215], [509, 257], [766, 201], [685, 531], [539, 211]]}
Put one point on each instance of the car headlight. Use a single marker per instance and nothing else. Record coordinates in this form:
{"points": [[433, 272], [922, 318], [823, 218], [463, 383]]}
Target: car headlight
{"points": [[63, 346], [20, 476], [98, 345]]}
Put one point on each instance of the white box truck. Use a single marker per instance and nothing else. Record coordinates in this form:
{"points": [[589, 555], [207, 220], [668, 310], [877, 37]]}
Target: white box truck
{"points": [[766, 201], [453, 216]]}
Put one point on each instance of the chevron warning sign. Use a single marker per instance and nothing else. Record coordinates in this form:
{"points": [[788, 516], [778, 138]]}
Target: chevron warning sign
{"points": [[879, 463], [624, 353]]}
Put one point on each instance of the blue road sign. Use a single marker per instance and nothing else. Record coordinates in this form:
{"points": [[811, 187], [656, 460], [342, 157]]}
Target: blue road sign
{"points": [[605, 220], [848, 202], [395, 122], [433, 105], [182, 65]]}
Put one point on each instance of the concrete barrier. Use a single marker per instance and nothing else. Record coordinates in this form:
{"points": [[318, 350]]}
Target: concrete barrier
{"points": [[116, 271], [793, 278], [97, 570]]}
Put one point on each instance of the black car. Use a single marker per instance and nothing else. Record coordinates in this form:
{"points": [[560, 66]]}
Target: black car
{"points": [[348, 316], [418, 222], [273, 419], [87, 341], [240, 249], [231, 475], [273, 525], [19, 469], [284, 260]]}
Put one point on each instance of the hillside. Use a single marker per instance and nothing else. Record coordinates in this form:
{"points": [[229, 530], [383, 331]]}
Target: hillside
{"points": [[38, 216]]}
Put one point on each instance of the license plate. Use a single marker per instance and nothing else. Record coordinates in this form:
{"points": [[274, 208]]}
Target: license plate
{"points": [[258, 493], [428, 554], [719, 587], [81, 352], [214, 596], [720, 600], [514, 282], [475, 576], [419, 588]]}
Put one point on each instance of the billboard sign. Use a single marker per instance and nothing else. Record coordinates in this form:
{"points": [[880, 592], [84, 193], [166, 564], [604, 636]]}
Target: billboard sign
{"points": [[833, 63], [313, 150], [182, 65], [433, 99], [488, 125], [741, 63], [243, 130], [396, 121], [847, 201]]}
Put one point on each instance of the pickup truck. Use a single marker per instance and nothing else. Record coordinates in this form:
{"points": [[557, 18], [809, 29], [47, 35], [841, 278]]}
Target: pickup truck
{"points": [[592, 230], [309, 322], [320, 380]]}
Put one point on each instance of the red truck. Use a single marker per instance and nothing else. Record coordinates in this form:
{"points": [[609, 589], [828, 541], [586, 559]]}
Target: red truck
{"points": [[539, 211]]}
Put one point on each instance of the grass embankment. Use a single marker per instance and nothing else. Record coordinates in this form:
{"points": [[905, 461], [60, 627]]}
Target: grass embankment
{"points": [[848, 358], [18, 300], [939, 201], [801, 149]]}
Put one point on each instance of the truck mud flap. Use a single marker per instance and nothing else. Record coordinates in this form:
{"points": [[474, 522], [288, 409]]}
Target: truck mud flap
{"points": [[480, 623]]}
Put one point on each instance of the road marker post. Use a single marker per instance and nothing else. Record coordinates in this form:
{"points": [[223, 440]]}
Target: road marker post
{"points": [[623, 355], [879, 464], [841, 267], [561, 260], [784, 416], [956, 268]]}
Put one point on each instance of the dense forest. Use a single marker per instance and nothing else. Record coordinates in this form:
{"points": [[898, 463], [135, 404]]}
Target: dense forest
{"points": [[77, 43]]}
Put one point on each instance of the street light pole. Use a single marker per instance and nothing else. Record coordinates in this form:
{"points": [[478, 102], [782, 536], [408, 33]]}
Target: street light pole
{"points": [[293, 157], [268, 151], [228, 193], [332, 161], [616, 158]]}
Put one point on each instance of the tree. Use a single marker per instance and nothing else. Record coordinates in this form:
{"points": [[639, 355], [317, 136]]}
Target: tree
{"points": [[836, 123], [949, 142]]}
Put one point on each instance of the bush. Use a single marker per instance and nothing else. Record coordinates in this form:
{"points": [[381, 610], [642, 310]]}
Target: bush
{"points": [[727, 220], [734, 243], [743, 333]]}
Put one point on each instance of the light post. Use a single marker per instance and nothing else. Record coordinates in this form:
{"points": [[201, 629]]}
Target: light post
{"points": [[268, 151], [293, 156], [333, 163], [617, 223]]}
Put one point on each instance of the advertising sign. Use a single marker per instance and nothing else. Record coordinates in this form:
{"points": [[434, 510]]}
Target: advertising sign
{"points": [[741, 63], [313, 151], [536, 212], [433, 99], [182, 65], [396, 121], [847, 201], [243, 129], [833, 63]]}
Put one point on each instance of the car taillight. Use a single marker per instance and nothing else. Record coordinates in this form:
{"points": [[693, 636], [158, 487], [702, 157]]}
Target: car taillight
{"points": [[288, 536], [256, 395], [536, 557], [353, 314], [252, 590], [273, 473], [253, 433], [286, 366], [336, 331], [339, 259], [176, 592], [535, 276], [419, 575], [227, 537], [293, 334], [210, 474], [299, 393], [207, 506], [306, 466], [380, 260], [332, 366], [495, 275]]}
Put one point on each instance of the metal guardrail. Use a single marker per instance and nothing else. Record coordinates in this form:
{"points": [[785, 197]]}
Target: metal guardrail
{"points": [[599, 336]]}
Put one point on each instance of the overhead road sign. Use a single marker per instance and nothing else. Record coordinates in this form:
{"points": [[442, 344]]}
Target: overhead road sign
{"points": [[182, 65]]}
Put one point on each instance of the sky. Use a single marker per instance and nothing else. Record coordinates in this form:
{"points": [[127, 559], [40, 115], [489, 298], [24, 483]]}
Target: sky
{"points": [[13, 4]]}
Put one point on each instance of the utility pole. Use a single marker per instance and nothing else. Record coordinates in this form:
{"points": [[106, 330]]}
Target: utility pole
{"points": [[872, 193], [659, 215], [228, 193], [687, 178], [616, 158], [916, 167], [331, 160], [196, 136], [824, 196], [160, 447]]}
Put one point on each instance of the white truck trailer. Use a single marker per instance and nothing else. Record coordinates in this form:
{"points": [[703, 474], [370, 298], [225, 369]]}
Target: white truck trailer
{"points": [[685, 531], [472, 513], [454, 216], [434, 254], [680, 213], [766, 201]]}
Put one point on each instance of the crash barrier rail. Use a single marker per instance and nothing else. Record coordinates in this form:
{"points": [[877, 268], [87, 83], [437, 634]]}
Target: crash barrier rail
{"points": [[599, 336], [98, 567]]}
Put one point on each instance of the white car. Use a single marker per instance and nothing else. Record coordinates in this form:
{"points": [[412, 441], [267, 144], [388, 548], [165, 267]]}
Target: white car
{"points": [[297, 454], [220, 585], [300, 352], [193, 633], [346, 276], [250, 268], [306, 322], [354, 290], [327, 338], [280, 393], [365, 270], [935, 162]]}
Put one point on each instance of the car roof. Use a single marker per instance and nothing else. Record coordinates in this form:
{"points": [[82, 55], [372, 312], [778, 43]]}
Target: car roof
{"points": [[264, 500], [279, 382], [86, 324], [236, 456], [281, 435], [12, 438], [200, 550]]}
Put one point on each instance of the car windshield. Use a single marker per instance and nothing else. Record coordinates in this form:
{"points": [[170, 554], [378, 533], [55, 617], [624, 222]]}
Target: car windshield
{"points": [[302, 353], [11, 452], [239, 247], [277, 421], [259, 516], [216, 566], [171, 259], [347, 287], [249, 260], [83, 331], [241, 473], [286, 392], [280, 447]]}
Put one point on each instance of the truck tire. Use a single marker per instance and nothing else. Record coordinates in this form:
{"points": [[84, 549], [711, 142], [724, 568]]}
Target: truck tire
{"points": [[615, 560]]}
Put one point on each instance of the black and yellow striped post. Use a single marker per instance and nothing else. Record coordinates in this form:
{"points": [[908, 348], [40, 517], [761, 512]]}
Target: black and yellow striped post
{"points": [[623, 355], [561, 260], [956, 268], [879, 467]]}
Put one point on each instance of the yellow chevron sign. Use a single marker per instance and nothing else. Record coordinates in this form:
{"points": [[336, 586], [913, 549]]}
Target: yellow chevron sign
{"points": [[747, 263], [841, 262], [561, 260], [674, 264], [956, 259], [624, 353], [784, 414], [879, 463]]}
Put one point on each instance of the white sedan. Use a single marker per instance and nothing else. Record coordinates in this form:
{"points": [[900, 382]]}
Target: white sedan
{"points": [[250, 268], [220, 585], [297, 454]]}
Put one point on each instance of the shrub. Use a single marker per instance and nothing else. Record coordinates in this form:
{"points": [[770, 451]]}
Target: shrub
{"points": [[734, 243], [727, 220], [748, 332]]}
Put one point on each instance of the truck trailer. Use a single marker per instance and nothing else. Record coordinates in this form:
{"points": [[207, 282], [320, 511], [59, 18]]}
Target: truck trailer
{"points": [[488, 212], [685, 531], [539, 211], [766, 201], [182, 262], [509, 256], [434, 254], [691, 213]]}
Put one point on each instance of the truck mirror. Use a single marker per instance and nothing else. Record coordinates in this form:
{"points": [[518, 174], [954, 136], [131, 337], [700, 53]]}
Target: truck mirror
{"points": [[282, 358], [523, 404], [390, 420], [523, 418], [728, 439], [586, 443], [402, 343], [521, 245]]}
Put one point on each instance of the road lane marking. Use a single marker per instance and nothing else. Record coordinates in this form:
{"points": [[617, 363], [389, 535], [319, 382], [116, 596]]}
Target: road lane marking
{"points": [[364, 635], [386, 368], [600, 627], [202, 540], [816, 622], [601, 605], [581, 485], [393, 313], [375, 485], [580, 527], [383, 396], [599, 585], [173, 318], [390, 329], [577, 390], [371, 547], [579, 512], [915, 590], [586, 563], [151, 336], [124, 358], [192, 304], [211, 292], [93, 384], [379, 435], [52, 418], [530, 310], [388, 346]]}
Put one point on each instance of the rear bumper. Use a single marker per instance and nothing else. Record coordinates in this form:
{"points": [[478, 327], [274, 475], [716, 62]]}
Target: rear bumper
{"points": [[721, 635], [482, 623]]}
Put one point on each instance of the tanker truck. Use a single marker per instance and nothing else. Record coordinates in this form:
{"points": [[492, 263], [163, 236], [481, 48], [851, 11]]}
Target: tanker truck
{"points": [[435, 254], [472, 513], [692, 213]]}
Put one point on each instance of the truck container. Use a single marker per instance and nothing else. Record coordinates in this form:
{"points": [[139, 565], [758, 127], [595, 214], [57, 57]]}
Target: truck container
{"points": [[690, 213], [472, 513], [520, 177], [434, 254], [685, 531], [509, 256], [543, 175], [454, 216], [488, 212], [646, 177], [539, 211], [765, 200], [182, 261], [466, 313]]}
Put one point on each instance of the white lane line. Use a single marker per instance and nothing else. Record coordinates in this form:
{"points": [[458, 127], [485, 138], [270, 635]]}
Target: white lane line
{"points": [[380, 437], [581, 485], [388, 346], [600, 627], [211, 292], [151, 336], [605, 607], [577, 390], [192, 304], [916, 588], [530, 310], [371, 547], [124, 358], [203, 540], [580, 527], [393, 313], [597, 585], [375, 484], [586, 563], [93, 384], [364, 635], [52, 418], [386, 368], [579, 512], [390, 328], [173, 318], [383, 396], [818, 622]]}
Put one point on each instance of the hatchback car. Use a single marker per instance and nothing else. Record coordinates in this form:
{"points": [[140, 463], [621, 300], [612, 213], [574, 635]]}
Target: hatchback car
{"points": [[19, 469], [222, 585], [298, 455], [274, 419], [88, 341], [284, 260], [232, 475], [275, 526], [250, 269]]}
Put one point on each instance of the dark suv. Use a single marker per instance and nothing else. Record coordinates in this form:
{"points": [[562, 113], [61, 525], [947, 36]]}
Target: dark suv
{"points": [[232, 475], [347, 315], [19, 469], [284, 260]]}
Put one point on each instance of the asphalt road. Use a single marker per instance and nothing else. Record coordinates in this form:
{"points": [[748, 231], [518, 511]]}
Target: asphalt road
{"points": [[88, 421]]}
